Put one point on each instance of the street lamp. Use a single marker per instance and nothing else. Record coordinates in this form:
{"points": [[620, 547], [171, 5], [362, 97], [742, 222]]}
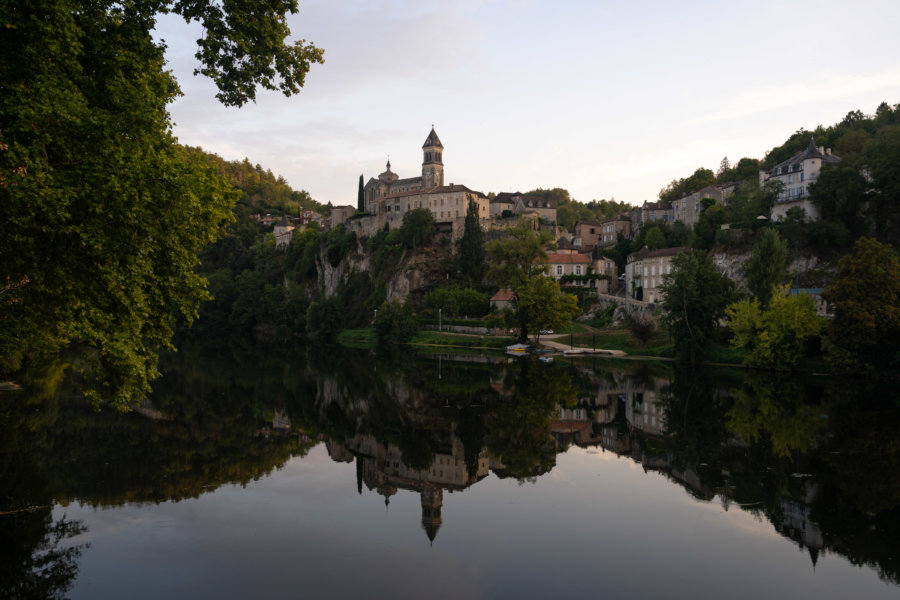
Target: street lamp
{"points": [[439, 318]]}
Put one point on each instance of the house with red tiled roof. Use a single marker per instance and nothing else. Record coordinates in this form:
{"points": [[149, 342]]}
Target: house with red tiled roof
{"points": [[504, 298], [567, 264]]}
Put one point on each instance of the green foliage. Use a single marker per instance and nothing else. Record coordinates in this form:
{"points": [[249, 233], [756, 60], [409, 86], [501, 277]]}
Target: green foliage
{"points": [[262, 192], [541, 305], [394, 324], [882, 157], [246, 45], [339, 241], [518, 256], [865, 297], [776, 336], [301, 256], [101, 213], [325, 318], [695, 296], [708, 225], [458, 301], [418, 227], [840, 194], [746, 169], [681, 187], [654, 238], [766, 268], [471, 245]]}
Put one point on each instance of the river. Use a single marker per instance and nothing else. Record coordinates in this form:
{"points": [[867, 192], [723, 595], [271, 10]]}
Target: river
{"points": [[292, 472]]}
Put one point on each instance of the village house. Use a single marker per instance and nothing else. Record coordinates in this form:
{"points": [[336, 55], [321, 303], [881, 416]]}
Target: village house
{"points": [[655, 212], [340, 214], [559, 265], [283, 232], [795, 174], [610, 230], [524, 205], [644, 272], [687, 209], [503, 299], [588, 232], [502, 204]]}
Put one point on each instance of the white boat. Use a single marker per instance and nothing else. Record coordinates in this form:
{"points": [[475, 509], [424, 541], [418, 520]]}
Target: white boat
{"points": [[516, 349]]}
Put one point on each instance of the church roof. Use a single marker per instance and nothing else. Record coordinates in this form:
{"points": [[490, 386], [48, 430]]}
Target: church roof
{"points": [[432, 140]]}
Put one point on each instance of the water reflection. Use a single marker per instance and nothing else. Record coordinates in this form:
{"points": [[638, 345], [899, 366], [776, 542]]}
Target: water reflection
{"points": [[817, 458]]}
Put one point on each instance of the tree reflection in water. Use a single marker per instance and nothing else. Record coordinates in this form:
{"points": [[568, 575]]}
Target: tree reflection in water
{"points": [[818, 458]]}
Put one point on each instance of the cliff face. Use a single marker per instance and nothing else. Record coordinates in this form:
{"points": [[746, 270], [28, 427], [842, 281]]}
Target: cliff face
{"points": [[813, 272], [415, 271]]}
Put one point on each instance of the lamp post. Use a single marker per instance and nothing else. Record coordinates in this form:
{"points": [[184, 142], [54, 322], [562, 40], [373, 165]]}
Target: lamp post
{"points": [[439, 318]]}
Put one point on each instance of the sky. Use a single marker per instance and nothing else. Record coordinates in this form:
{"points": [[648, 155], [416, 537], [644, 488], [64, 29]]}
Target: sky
{"points": [[606, 99]]}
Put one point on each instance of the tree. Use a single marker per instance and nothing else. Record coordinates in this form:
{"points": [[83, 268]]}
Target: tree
{"points": [[325, 318], [695, 296], [544, 306], [865, 297], [765, 269], [518, 256], [394, 324], [360, 196], [882, 156], [776, 336], [655, 239], [471, 245], [840, 193], [516, 259], [102, 214], [418, 227]]}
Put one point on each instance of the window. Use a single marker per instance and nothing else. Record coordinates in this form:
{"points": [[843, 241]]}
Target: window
{"points": [[559, 269], [578, 269]]}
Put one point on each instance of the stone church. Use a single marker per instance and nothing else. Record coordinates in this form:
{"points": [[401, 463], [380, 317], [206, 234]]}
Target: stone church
{"points": [[388, 197], [389, 183]]}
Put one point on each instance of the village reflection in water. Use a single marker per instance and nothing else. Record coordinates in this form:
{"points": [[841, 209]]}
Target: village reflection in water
{"points": [[816, 458]]}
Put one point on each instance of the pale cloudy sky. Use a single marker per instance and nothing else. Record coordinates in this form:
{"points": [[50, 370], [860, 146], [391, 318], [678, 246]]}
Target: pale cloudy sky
{"points": [[605, 99]]}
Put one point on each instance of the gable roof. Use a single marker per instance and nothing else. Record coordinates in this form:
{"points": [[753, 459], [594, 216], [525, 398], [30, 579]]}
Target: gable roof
{"points": [[503, 296], [568, 259]]}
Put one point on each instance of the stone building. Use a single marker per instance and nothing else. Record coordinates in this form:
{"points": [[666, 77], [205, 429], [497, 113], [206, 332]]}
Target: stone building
{"points": [[795, 174], [687, 209], [388, 197], [610, 230], [644, 271]]}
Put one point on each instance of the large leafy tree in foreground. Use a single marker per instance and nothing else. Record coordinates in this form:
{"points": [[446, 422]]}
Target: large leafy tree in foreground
{"points": [[101, 212], [865, 296], [696, 294]]}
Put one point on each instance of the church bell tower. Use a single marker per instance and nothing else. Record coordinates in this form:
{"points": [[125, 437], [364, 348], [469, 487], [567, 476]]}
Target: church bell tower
{"points": [[432, 161]]}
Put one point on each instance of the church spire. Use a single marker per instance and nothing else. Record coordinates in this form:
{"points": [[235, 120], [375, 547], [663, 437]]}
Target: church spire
{"points": [[432, 161]]}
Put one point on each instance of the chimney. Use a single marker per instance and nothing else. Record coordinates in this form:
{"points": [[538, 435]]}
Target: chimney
{"points": [[821, 149]]}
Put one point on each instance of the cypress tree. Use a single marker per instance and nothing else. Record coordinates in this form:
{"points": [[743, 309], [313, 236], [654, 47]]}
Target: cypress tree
{"points": [[471, 245], [360, 198]]}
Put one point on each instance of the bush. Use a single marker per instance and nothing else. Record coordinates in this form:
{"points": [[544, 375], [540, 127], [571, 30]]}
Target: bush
{"points": [[394, 324], [458, 301]]}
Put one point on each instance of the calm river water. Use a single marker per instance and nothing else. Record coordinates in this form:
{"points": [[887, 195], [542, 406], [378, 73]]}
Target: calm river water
{"points": [[311, 472]]}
